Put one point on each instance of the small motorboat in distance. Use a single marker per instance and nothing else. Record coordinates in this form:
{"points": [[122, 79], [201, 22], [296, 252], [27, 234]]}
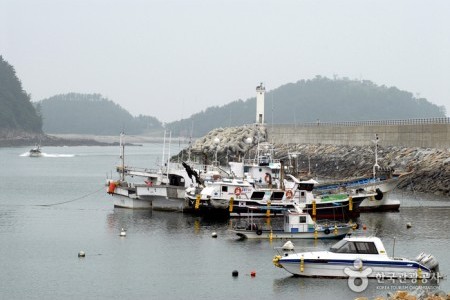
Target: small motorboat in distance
{"points": [[35, 151], [363, 257], [297, 225]]}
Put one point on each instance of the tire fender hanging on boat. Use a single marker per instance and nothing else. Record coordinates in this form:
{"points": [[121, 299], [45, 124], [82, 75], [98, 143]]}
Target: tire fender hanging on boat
{"points": [[327, 231], [259, 232], [379, 194]]}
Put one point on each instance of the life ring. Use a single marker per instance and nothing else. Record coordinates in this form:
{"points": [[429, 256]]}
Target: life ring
{"points": [[289, 194], [379, 194], [259, 232], [237, 191], [327, 231]]}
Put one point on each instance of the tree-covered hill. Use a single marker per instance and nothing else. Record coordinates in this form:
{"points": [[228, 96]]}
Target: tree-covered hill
{"points": [[321, 99], [17, 113], [91, 114]]}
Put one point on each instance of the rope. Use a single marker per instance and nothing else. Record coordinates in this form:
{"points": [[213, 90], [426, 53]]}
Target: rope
{"points": [[79, 198]]}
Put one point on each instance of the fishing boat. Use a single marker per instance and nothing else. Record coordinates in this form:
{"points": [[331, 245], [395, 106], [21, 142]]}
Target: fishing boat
{"points": [[233, 197], [382, 182], [297, 225], [35, 151], [356, 256], [159, 189]]}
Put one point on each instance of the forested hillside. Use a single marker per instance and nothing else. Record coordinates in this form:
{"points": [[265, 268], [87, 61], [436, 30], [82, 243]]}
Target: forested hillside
{"points": [[17, 114], [321, 99], [91, 114]]}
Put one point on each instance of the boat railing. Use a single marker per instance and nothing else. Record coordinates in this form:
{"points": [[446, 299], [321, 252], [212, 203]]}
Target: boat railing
{"points": [[296, 250]]}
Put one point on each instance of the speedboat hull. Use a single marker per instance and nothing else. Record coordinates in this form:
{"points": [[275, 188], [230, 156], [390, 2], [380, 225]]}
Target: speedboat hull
{"points": [[280, 234], [345, 268]]}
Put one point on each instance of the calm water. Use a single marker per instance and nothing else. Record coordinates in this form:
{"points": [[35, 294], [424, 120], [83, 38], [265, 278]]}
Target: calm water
{"points": [[165, 254]]}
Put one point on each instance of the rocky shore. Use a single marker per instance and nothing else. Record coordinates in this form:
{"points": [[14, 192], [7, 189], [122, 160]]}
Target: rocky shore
{"points": [[415, 295], [22, 139], [430, 167]]}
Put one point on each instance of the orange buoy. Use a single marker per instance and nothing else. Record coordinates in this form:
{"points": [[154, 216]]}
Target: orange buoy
{"points": [[253, 273], [112, 187]]}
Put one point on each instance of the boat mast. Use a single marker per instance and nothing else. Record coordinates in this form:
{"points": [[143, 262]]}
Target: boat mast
{"points": [[375, 166], [164, 150], [168, 155], [122, 156]]}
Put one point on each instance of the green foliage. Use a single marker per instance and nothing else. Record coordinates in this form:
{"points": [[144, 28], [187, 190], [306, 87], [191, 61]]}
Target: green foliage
{"points": [[321, 99], [91, 114], [17, 112]]}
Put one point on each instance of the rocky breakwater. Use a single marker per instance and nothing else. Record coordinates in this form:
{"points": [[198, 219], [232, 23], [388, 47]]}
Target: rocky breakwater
{"points": [[230, 144], [430, 167]]}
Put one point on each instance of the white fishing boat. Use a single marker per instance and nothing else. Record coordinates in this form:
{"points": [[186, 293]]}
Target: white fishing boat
{"points": [[233, 197], [297, 225], [35, 151], [158, 189], [364, 257]]}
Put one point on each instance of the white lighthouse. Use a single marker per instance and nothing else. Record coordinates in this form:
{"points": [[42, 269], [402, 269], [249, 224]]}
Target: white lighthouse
{"points": [[260, 90]]}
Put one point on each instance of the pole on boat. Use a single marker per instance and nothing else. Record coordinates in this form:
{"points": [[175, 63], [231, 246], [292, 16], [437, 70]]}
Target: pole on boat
{"points": [[168, 155], [375, 166], [393, 249], [122, 156]]}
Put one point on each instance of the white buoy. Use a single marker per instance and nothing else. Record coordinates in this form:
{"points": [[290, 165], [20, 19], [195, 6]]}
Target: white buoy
{"points": [[214, 234], [408, 225], [123, 232], [288, 246], [81, 254]]}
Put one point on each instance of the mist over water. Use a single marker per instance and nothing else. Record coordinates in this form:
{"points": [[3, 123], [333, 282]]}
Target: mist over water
{"points": [[165, 254]]}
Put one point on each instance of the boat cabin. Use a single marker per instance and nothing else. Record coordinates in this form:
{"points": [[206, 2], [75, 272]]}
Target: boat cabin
{"points": [[358, 245], [298, 222]]}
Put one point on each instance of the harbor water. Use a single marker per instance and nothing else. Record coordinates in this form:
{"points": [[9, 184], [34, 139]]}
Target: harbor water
{"points": [[54, 206]]}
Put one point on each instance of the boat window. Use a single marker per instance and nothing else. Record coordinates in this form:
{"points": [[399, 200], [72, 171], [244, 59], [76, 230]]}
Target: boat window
{"points": [[257, 195], [346, 247], [277, 196], [306, 187], [337, 245], [302, 219], [224, 188], [366, 248]]}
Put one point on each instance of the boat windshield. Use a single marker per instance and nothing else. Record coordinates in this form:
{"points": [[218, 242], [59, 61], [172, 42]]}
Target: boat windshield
{"points": [[338, 245], [345, 246]]}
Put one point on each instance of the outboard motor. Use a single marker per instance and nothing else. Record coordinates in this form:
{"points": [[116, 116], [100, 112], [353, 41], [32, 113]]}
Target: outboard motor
{"points": [[431, 263]]}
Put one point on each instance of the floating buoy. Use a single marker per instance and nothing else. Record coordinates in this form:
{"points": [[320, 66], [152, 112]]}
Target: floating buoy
{"points": [[252, 273], [81, 254], [214, 234], [408, 225], [235, 273], [288, 246], [123, 232]]}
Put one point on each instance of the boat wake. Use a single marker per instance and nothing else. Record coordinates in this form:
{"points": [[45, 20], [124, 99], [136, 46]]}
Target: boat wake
{"points": [[27, 154]]}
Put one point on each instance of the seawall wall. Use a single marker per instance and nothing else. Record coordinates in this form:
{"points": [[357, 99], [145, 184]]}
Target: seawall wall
{"points": [[424, 133]]}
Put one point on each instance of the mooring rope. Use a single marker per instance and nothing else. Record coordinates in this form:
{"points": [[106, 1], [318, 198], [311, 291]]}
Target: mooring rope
{"points": [[72, 200]]}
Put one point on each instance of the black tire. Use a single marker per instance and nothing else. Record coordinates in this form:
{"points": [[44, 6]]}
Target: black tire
{"points": [[379, 194], [259, 232], [327, 231]]}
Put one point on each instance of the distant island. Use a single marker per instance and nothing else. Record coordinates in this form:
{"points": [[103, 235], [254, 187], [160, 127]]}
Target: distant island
{"points": [[320, 98]]}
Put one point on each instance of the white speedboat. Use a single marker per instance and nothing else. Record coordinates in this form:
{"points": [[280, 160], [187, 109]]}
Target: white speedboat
{"points": [[297, 225], [35, 151], [363, 257]]}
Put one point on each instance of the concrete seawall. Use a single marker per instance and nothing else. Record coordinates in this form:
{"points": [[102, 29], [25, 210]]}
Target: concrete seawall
{"points": [[424, 133]]}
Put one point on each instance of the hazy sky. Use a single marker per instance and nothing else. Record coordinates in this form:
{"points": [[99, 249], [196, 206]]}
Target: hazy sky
{"points": [[170, 59]]}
